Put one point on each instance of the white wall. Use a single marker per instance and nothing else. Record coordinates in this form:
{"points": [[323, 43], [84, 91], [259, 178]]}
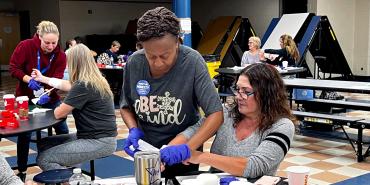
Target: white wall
{"points": [[361, 53], [342, 17], [350, 20], [106, 17], [259, 12], [39, 10]]}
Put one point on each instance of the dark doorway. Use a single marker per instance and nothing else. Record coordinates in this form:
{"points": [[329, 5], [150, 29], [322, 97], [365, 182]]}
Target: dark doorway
{"points": [[294, 6], [24, 20]]}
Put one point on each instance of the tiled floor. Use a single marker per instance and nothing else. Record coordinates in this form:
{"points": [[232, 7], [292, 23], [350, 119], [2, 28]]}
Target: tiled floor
{"points": [[330, 161]]}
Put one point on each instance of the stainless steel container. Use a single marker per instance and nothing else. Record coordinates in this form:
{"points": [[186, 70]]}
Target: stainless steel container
{"points": [[147, 168]]}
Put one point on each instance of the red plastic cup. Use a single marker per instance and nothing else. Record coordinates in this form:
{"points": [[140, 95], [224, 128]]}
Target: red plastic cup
{"points": [[22, 107], [9, 100]]}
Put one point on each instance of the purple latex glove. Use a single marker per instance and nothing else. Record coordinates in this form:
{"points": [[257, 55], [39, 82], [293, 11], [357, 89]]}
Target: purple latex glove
{"points": [[175, 154], [44, 99], [34, 85], [227, 180], [133, 137]]}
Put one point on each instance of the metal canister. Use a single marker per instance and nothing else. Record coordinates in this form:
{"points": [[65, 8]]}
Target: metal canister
{"points": [[147, 168]]}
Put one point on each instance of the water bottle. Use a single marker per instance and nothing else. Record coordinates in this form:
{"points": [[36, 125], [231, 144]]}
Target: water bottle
{"points": [[111, 61], [77, 178]]}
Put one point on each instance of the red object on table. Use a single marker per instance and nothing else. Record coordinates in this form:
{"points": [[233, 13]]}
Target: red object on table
{"points": [[9, 119], [9, 100], [2, 124]]}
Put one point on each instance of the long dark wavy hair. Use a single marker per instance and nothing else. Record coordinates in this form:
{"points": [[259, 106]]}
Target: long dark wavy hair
{"points": [[156, 23], [270, 94], [290, 46]]}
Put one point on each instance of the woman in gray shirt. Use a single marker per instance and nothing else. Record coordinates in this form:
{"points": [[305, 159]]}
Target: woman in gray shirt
{"points": [[253, 54], [257, 130]]}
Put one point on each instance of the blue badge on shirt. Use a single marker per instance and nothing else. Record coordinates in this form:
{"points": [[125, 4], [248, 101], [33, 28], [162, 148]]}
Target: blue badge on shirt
{"points": [[142, 88]]}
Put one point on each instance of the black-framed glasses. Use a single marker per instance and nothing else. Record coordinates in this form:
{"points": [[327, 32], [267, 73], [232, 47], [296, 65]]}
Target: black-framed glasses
{"points": [[241, 92]]}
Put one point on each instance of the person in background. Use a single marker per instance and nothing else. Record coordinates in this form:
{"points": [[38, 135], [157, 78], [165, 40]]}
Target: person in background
{"points": [[139, 46], [253, 54], [42, 52], [288, 52], [90, 101], [70, 43], [112, 51], [258, 128], [79, 40], [164, 85], [7, 176]]}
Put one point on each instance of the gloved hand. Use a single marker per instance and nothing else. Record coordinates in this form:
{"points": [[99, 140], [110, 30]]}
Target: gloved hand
{"points": [[175, 154], [34, 85], [227, 180], [133, 137], [43, 99]]}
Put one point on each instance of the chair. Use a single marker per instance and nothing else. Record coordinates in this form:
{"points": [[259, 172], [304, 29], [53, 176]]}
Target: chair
{"points": [[91, 173], [54, 176], [62, 175]]}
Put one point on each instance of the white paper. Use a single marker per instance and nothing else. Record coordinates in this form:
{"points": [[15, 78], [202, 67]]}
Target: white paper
{"points": [[144, 146], [185, 25], [38, 110], [237, 68]]}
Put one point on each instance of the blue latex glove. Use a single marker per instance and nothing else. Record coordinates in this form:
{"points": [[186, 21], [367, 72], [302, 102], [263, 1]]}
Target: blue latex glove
{"points": [[34, 85], [227, 180], [175, 154], [44, 99], [133, 137]]}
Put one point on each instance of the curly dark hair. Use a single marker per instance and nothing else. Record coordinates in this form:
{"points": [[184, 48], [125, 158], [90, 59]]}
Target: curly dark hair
{"points": [[156, 23], [270, 94]]}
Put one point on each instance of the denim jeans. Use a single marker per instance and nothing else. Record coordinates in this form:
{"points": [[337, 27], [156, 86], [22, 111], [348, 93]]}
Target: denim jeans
{"points": [[23, 142]]}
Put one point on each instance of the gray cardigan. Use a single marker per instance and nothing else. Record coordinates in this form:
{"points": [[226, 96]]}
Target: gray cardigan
{"points": [[7, 176], [264, 151]]}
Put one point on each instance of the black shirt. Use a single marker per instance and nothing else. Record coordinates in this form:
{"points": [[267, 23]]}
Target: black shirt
{"points": [[111, 54], [94, 115]]}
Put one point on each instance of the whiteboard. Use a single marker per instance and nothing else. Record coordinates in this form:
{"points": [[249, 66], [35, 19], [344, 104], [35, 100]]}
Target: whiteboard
{"points": [[288, 24]]}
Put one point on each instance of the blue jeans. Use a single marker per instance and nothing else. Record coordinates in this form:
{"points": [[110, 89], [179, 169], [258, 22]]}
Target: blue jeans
{"points": [[23, 142]]}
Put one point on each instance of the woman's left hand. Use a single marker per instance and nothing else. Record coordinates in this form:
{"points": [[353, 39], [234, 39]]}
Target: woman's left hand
{"points": [[37, 75], [195, 157]]}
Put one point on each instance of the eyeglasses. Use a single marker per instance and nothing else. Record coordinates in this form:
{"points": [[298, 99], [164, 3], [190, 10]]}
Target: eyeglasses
{"points": [[241, 92]]}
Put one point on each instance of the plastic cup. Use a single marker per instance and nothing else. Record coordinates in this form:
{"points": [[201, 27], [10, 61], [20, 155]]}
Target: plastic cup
{"points": [[285, 64], [22, 102], [298, 175], [9, 100], [191, 182], [208, 179]]}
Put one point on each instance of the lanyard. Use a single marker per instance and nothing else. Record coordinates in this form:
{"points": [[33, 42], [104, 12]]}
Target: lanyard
{"points": [[38, 62]]}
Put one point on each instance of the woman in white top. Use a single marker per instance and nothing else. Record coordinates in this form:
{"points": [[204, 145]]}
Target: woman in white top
{"points": [[252, 55]]}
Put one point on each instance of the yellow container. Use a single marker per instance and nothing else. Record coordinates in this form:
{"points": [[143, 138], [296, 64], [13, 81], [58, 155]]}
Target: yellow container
{"points": [[213, 62], [212, 66]]}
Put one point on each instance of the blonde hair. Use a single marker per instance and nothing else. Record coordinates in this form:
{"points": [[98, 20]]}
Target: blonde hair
{"points": [[45, 27], [82, 67], [290, 46], [255, 40], [116, 43]]}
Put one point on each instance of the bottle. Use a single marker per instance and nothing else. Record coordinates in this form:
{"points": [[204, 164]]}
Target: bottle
{"points": [[77, 178], [111, 60]]}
